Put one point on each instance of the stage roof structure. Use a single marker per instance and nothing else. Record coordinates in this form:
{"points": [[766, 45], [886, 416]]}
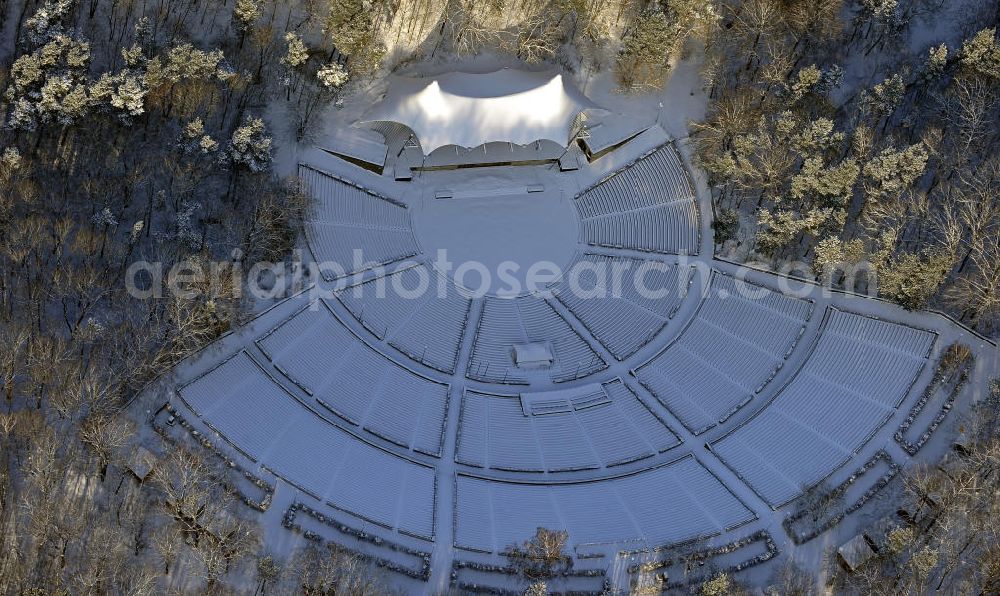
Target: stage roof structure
{"points": [[471, 109]]}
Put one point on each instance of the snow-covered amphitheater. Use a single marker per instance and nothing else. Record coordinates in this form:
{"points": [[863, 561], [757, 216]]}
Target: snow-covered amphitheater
{"points": [[429, 431]]}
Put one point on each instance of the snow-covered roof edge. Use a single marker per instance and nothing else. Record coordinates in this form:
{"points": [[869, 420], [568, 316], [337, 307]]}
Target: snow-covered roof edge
{"points": [[471, 109]]}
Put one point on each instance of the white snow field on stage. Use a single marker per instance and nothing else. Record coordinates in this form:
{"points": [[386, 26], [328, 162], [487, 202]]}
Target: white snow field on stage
{"points": [[622, 318], [590, 427], [352, 380], [857, 374], [243, 403], [506, 322], [427, 327], [349, 218], [648, 205], [672, 503], [501, 226], [739, 338]]}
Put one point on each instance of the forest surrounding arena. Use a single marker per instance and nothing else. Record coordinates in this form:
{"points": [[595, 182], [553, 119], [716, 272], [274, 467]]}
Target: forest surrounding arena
{"points": [[432, 431], [531, 297]]}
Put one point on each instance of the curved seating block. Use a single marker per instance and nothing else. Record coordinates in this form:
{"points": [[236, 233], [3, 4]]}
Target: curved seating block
{"points": [[240, 401], [858, 372], [588, 427], [735, 343], [346, 376], [654, 178], [426, 326], [349, 219], [623, 315], [341, 202], [670, 229], [647, 205], [505, 323], [672, 503]]}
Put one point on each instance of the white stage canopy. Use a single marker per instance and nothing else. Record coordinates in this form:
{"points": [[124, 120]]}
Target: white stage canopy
{"points": [[470, 109]]}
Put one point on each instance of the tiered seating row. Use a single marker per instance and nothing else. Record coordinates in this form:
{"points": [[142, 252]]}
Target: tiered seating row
{"points": [[244, 404], [648, 205], [737, 341], [665, 505], [624, 316], [858, 372], [586, 428], [529, 319], [650, 180], [349, 219], [341, 202], [426, 326], [349, 378], [671, 228]]}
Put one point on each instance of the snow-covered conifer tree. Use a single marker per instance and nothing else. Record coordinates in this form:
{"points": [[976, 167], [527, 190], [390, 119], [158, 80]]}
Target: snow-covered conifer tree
{"points": [[47, 23], [250, 147], [297, 53], [332, 76]]}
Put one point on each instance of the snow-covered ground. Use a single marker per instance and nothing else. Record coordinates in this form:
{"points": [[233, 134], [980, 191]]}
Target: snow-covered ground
{"points": [[371, 411]]}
